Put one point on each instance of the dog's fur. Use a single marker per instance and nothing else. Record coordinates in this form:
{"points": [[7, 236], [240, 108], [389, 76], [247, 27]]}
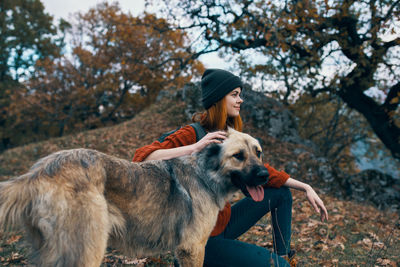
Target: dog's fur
{"points": [[75, 203]]}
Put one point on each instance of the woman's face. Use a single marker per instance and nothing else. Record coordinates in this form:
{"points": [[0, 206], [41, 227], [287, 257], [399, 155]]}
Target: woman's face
{"points": [[233, 102]]}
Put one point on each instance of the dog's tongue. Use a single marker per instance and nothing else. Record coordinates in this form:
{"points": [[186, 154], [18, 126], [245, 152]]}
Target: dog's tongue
{"points": [[256, 192]]}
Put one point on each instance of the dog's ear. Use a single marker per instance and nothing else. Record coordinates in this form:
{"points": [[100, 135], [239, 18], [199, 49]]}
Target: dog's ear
{"points": [[213, 152], [260, 141]]}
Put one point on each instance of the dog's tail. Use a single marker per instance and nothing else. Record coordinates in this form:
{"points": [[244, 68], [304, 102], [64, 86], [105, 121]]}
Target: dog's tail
{"points": [[15, 199], [65, 228]]}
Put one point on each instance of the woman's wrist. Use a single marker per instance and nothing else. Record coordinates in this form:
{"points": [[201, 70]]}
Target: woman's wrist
{"points": [[194, 148], [304, 187], [308, 188], [293, 183]]}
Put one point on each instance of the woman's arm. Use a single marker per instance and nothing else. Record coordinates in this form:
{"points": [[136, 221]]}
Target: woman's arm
{"points": [[312, 196], [170, 153], [214, 137]]}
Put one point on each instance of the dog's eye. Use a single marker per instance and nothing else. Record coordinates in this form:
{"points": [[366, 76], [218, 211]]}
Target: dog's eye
{"points": [[259, 153], [239, 156]]}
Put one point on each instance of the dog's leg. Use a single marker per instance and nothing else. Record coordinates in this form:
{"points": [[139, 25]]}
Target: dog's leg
{"points": [[193, 256], [70, 231]]}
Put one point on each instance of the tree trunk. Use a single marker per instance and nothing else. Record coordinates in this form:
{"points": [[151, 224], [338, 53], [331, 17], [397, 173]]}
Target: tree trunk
{"points": [[379, 119]]}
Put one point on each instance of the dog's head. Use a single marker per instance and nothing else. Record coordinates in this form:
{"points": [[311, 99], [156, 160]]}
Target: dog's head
{"points": [[238, 160]]}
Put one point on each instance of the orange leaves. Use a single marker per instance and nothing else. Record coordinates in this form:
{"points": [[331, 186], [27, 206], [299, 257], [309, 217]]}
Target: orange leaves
{"points": [[368, 244], [15, 258], [396, 99], [371, 242], [267, 36], [386, 263], [318, 236], [349, 238], [118, 65], [291, 27], [114, 258], [8, 253], [13, 239]]}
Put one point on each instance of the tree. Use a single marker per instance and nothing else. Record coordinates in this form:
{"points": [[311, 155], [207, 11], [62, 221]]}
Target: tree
{"points": [[345, 48], [332, 126], [118, 65], [26, 35]]}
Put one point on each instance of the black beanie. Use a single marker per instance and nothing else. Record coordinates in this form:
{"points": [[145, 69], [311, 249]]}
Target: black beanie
{"points": [[217, 83]]}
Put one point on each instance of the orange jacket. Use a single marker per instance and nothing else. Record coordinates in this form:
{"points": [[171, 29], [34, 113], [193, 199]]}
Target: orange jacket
{"points": [[187, 136]]}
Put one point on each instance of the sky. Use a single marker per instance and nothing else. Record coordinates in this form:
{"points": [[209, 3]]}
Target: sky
{"points": [[65, 9]]}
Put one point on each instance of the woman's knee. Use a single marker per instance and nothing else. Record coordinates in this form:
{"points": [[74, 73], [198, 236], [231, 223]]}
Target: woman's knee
{"points": [[278, 196], [282, 192], [286, 193]]}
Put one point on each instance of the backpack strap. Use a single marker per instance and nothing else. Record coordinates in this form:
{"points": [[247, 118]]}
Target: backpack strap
{"points": [[165, 135], [200, 132]]}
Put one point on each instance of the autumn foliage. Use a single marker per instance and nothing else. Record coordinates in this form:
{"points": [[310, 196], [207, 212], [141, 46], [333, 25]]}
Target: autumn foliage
{"points": [[349, 49], [117, 66], [26, 36]]}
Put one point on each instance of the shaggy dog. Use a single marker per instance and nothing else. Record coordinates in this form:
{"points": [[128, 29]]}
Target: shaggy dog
{"points": [[75, 203]]}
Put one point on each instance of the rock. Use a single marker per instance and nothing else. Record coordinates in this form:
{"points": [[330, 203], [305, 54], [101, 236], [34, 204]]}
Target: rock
{"points": [[165, 94], [292, 167], [270, 115], [191, 95], [373, 186]]}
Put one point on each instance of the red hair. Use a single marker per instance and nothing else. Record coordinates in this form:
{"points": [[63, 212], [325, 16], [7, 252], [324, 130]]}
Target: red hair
{"points": [[216, 118]]}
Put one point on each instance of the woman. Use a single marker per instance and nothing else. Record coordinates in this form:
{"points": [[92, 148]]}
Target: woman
{"points": [[221, 98]]}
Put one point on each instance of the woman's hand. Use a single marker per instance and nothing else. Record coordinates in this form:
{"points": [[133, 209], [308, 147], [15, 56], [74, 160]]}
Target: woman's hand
{"points": [[169, 153], [312, 196], [213, 137], [316, 202]]}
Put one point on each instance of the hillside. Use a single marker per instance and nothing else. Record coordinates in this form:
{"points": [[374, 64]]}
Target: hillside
{"points": [[356, 234]]}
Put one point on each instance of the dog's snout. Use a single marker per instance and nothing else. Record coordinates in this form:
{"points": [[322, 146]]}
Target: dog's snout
{"points": [[263, 173]]}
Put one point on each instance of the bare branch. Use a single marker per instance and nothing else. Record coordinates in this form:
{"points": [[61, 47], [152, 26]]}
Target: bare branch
{"points": [[389, 14], [390, 102]]}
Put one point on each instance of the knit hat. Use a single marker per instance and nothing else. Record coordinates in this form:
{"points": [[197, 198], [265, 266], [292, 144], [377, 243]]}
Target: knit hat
{"points": [[217, 83]]}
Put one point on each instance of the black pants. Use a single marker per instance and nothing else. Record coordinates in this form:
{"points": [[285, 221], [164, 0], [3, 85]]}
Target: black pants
{"points": [[225, 250]]}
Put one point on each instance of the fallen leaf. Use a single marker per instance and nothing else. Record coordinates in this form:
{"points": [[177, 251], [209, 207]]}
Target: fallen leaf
{"points": [[373, 236], [304, 239], [135, 261], [366, 243], [13, 239], [386, 262]]}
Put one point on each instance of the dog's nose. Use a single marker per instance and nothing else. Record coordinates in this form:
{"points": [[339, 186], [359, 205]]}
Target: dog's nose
{"points": [[263, 174]]}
